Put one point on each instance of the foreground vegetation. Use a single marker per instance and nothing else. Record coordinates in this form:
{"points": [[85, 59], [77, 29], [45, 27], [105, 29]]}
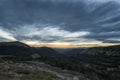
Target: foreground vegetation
{"points": [[34, 70], [23, 71]]}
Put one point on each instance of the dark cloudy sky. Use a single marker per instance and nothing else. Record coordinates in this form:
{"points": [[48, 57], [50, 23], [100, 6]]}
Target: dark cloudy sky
{"points": [[73, 22]]}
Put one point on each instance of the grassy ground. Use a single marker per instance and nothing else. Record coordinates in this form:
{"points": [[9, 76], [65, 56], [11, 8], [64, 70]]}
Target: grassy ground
{"points": [[22, 71]]}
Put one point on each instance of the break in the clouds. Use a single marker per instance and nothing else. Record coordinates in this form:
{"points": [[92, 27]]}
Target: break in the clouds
{"points": [[60, 20], [6, 36]]}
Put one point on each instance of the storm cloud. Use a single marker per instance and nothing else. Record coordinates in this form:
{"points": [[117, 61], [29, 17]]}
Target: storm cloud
{"points": [[60, 20]]}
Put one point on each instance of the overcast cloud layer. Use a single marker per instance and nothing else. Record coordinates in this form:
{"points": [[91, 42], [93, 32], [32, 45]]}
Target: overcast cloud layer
{"points": [[60, 20]]}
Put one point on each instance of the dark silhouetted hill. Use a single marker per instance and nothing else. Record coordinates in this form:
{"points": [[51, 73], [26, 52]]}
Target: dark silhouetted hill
{"points": [[45, 51], [15, 48], [20, 49]]}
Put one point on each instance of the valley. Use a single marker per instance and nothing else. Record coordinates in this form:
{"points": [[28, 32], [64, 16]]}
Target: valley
{"points": [[98, 63]]}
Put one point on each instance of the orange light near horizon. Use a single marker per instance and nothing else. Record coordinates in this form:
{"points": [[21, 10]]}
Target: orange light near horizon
{"points": [[67, 45]]}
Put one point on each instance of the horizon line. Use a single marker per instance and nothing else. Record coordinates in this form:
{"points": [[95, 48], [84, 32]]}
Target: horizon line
{"points": [[66, 46]]}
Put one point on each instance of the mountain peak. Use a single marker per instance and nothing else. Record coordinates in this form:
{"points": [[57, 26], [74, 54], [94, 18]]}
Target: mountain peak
{"points": [[15, 43]]}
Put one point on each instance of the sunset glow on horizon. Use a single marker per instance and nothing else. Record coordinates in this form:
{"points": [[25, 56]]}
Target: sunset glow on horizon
{"points": [[67, 45]]}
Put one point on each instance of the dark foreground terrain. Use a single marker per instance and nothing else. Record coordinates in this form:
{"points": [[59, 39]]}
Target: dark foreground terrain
{"points": [[34, 70], [18, 61]]}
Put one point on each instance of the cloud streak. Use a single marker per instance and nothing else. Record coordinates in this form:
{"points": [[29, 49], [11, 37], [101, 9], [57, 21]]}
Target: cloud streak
{"points": [[48, 33]]}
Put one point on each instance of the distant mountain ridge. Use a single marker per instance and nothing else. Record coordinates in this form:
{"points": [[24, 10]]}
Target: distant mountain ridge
{"points": [[45, 51], [75, 51], [20, 48], [107, 51]]}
